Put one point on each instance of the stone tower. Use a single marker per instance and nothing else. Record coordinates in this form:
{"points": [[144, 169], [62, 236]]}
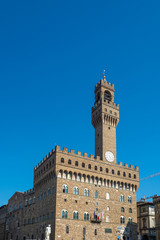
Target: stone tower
{"points": [[105, 117]]}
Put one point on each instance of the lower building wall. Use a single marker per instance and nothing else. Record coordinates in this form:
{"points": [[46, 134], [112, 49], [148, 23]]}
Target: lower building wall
{"points": [[110, 207], [92, 231], [2, 231]]}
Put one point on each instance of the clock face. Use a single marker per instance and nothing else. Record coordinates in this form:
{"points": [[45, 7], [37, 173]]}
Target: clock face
{"points": [[109, 156]]}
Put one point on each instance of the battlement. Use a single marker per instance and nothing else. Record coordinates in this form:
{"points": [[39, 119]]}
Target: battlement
{"points": [[28, 192], [91, 157], [84, 155], [44, 159], [128, 166], [104, 83]]}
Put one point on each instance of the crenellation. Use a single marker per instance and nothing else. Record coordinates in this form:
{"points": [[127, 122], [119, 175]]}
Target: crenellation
{"points": [[131, 166], [79, 153], [85, 154], [120, 164], [136, 168], [97, 158], [65, 149], [57, 148], [72, 151], [92, 156], [126, 165]]}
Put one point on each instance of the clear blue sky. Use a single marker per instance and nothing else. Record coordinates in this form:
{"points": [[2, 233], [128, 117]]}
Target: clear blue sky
{"points": [[52, 53]]}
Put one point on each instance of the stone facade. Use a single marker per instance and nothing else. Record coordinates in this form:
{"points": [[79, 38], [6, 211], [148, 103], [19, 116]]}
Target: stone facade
{"points": [[146, 220], [3, 213], [14, 219], [156, 201], [81, 196]]}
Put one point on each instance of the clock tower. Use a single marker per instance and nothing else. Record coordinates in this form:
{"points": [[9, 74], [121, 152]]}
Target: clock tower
{"points": [[105, 117]]}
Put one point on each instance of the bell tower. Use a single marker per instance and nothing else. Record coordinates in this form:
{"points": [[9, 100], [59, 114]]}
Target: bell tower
{"points": [[105, 117]]}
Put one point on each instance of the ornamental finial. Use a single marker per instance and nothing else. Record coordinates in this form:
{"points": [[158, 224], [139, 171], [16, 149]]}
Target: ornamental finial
{"points": [[104, 77]]}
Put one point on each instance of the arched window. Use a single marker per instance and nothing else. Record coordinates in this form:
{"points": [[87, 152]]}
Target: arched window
{"points": [[107, 96], [48, 191], [69, 161], [98, 97], [130, 210], [107, 196], [75, 215], [130, 220], [89, 166], [14, 207], [112, 171], [121, 198], [144, 222], [86, 192], [96, 194], [86, 216], [62, 160], [34, 199], [76, 191], [26, 202], [67, 229], [129, 199], [122, 220], [65, 188], [107, 218], [122, 209], [64, 213], [20, 205]]}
